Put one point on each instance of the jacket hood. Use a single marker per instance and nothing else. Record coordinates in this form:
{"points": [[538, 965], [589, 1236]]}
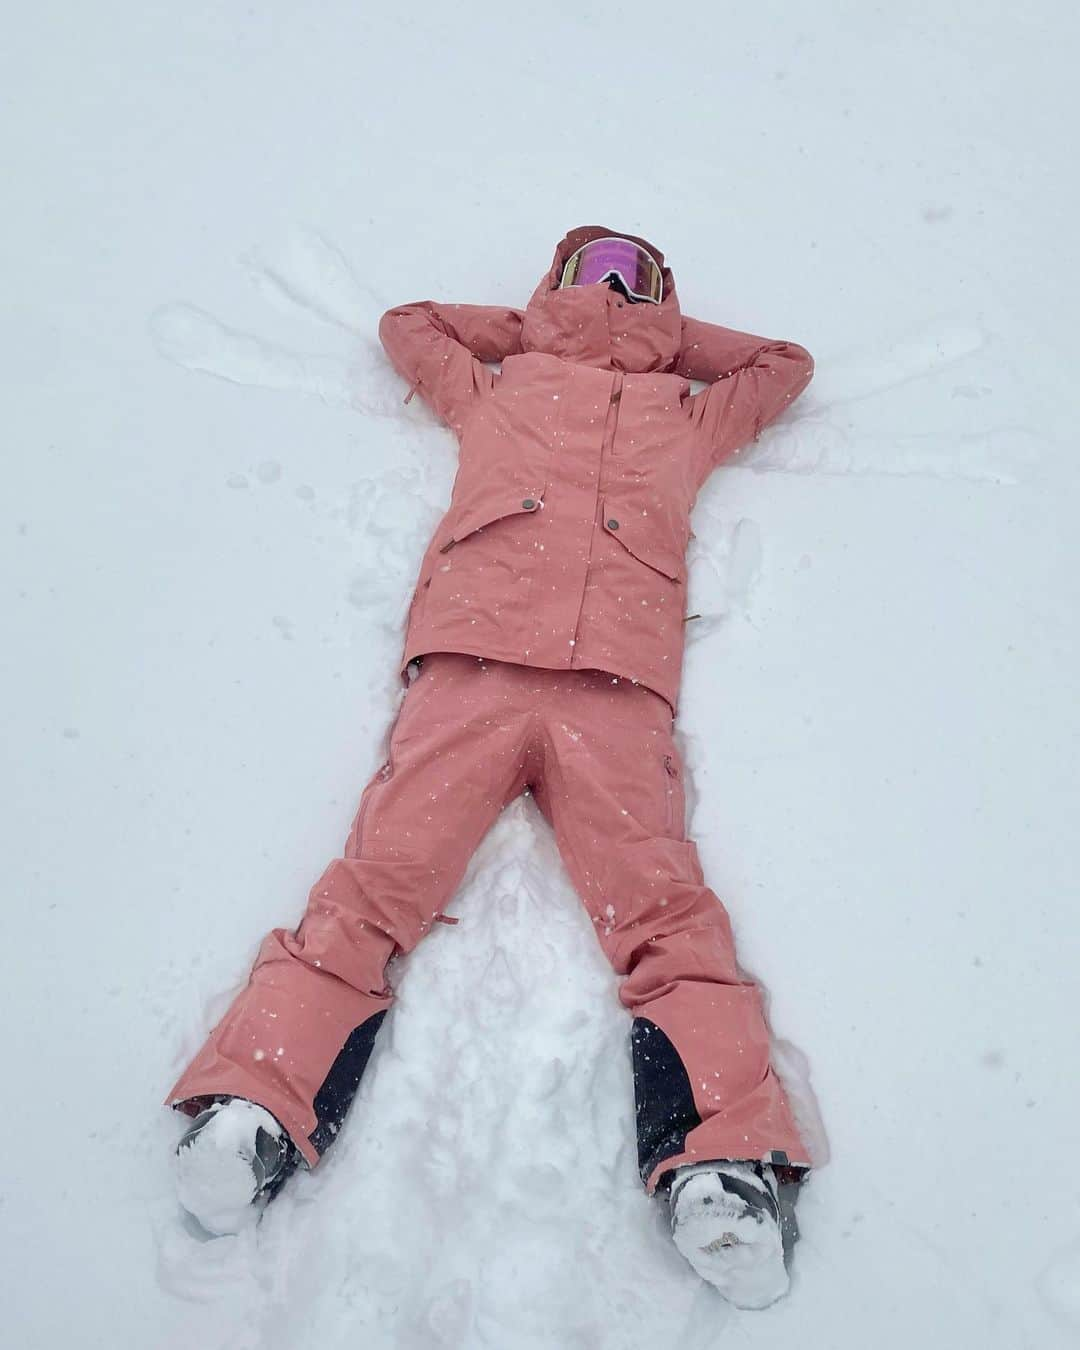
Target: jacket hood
{"points": [[595, 325]]}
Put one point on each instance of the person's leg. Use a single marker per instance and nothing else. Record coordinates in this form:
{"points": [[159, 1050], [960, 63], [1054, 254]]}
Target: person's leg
{"points": [[296, 1040], [612, 789]]}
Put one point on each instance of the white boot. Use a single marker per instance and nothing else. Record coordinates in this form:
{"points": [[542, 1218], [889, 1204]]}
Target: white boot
{"points": [[231, 1154], [725, 1220]]}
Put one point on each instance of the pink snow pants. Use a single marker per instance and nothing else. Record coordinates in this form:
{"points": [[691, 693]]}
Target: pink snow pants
{"points": [[597, 752]]}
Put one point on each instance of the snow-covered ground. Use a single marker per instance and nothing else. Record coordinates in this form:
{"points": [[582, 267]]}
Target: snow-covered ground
{"points": [[214, 504]]}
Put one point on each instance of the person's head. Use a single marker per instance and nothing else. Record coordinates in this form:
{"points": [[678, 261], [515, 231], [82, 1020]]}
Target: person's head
{"points": [[619, 262], [575, 314]]}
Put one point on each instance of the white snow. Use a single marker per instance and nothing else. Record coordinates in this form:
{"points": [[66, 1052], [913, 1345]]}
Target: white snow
{"points": [[214, 506]]}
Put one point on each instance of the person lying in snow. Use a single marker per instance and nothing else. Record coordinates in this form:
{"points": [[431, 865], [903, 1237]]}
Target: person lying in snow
{"points": [[543, 651]]}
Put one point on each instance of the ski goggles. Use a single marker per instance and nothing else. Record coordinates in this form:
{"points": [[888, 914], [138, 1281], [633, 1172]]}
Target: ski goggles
{"points": [[603, 259]]}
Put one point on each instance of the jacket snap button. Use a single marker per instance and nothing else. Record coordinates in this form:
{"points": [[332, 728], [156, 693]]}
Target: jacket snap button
{"points": [[613, 524], [528, 504]]}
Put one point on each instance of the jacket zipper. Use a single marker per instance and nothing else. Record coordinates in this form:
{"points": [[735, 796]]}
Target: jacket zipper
{"points": [[606, 443], [616, 403], [671, 773]]}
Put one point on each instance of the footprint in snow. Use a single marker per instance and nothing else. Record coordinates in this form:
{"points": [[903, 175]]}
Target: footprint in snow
{"points": [[725, 568]]}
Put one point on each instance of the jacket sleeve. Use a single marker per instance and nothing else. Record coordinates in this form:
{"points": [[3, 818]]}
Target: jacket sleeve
{"points": [[751, 381], [441, 349]]}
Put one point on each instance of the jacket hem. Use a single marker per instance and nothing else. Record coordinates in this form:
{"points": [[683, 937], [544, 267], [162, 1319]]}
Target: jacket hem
{"points": [[419, 647]]}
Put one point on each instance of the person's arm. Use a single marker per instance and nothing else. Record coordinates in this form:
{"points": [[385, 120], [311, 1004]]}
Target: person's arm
{"points": [[441, 350], [751, 381]]}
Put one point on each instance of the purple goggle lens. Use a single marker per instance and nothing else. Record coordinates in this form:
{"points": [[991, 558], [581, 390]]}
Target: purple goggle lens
{"points": [[602, 259]]}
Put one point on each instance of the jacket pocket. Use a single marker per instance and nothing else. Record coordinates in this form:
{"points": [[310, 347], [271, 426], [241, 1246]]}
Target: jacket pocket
{"points": [[459, 524], [640, 537]]}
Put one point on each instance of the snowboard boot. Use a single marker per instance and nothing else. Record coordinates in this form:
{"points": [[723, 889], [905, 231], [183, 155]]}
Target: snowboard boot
{"points": [[725, 1219], [231, 1162]]}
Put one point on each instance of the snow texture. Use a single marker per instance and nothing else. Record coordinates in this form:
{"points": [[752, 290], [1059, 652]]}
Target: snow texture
{"points": [[214, 506], [216, 1173]]}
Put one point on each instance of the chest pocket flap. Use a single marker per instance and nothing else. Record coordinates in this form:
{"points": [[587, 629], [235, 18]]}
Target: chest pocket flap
{"points": [[648, 542], [460, 523]]}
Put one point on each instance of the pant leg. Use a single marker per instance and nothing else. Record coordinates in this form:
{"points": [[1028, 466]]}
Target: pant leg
{"points": [[612, 789], [296, 1040]]}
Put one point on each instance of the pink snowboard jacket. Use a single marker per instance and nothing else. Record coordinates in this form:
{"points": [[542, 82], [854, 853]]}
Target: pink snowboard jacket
{"points": [[564, 544]]}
